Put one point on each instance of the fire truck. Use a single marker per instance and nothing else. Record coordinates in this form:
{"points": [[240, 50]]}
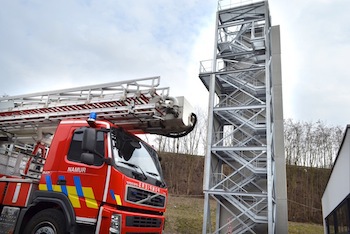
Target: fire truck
{"points": [[71, 161]]}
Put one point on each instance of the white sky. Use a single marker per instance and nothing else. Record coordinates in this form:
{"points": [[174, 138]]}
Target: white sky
{"points": [[49, 45]]}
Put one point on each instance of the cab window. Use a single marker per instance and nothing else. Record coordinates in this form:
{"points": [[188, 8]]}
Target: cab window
{"points": [[75, 149]]}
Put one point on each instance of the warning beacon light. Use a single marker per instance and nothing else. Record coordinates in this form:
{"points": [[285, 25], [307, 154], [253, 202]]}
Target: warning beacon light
{"points": [[92, 118]]}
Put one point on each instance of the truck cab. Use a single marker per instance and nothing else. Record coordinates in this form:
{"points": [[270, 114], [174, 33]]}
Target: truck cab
{"points": [[97, 178], [61, 172]]}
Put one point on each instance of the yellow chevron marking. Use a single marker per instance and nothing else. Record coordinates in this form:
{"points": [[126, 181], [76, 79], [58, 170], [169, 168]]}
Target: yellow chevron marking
{"points": [[56, 188], [90, 197], [118, 200], [73, 196], [43, 187]]}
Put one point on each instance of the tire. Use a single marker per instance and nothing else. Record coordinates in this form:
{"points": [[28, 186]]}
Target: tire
{"points": [[50, 221]]}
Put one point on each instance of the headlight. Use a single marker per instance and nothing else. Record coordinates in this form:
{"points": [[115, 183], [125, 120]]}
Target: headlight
{"points": [[115, 224]]}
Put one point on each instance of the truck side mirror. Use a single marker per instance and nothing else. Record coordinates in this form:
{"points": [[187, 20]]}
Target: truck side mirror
{"points": [[89, 140], [87, 158]]}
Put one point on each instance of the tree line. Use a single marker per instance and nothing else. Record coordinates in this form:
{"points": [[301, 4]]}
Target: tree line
{"points": [[310, 151], [309, 144]]}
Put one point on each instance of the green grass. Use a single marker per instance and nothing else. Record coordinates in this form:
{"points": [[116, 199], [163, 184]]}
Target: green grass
{"points": [[185, 215], [301, 228]]}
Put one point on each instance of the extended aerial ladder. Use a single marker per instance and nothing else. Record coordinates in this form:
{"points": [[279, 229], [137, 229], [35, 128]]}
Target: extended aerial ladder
{"points": [[139, 105]]}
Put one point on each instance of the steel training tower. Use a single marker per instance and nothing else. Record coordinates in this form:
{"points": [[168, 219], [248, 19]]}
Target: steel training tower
{"points": [[244, 165]]}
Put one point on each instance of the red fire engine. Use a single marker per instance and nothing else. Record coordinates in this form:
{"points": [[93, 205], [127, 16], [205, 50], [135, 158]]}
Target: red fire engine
{"points": [[62, 172]]}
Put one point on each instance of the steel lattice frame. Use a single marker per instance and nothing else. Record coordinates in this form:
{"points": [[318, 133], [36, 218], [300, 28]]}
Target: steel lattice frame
{"points": [[240, 165]]}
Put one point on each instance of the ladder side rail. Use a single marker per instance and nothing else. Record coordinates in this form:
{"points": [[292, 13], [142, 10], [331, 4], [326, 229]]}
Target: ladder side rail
{"points": [[117, 112], [82, 95], [93, 87], [126, 95], [34, 166]]}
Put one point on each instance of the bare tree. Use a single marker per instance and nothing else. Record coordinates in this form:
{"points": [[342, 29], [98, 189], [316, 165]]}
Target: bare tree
{"points": [[311, 144], [193, 143]]}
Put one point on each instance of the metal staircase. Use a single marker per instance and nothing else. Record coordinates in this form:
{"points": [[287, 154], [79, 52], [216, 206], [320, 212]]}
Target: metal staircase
{"points": [[239, 166]]}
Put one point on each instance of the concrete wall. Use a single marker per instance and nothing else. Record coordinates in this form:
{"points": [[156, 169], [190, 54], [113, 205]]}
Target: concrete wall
{"points": [[281, 184]]}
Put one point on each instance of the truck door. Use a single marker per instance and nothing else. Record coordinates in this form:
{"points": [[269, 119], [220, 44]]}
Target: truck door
{"points": [[82, 183]]}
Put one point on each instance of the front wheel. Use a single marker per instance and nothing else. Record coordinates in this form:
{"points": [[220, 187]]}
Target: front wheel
{"points": [[50, 221]]}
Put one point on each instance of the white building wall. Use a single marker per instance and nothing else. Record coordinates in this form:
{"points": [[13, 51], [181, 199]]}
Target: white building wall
{"points": [[338, 186]]}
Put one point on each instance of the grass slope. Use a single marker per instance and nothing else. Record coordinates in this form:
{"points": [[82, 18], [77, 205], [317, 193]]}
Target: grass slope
{"points": [[185, 215]]}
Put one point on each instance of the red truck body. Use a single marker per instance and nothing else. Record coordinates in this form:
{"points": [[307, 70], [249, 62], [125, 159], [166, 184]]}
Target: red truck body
{"points": [[97, 178], [61, 173]]}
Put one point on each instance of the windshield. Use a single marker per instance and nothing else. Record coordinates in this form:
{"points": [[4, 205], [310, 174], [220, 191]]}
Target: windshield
{"points": [[135, 158]]}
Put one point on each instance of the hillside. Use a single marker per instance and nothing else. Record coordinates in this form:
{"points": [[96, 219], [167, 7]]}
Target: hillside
{"points": [[185, 215], [305, 186]]}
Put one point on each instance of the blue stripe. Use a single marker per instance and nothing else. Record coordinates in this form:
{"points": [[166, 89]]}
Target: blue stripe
{"points": [[78, 186], [48, 183], [112, 194], [63, 187]]}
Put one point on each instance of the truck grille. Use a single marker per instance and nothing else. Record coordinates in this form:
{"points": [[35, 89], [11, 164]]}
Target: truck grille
{"points": [[143, 197], [137, 221]]}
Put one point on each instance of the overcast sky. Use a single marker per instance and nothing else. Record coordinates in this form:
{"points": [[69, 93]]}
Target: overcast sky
{"points": [[49, 45]]}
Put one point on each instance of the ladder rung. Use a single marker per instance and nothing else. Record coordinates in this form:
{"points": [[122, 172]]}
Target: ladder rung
{"points": [[31, 177], [35, 171], [38, 163]]}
